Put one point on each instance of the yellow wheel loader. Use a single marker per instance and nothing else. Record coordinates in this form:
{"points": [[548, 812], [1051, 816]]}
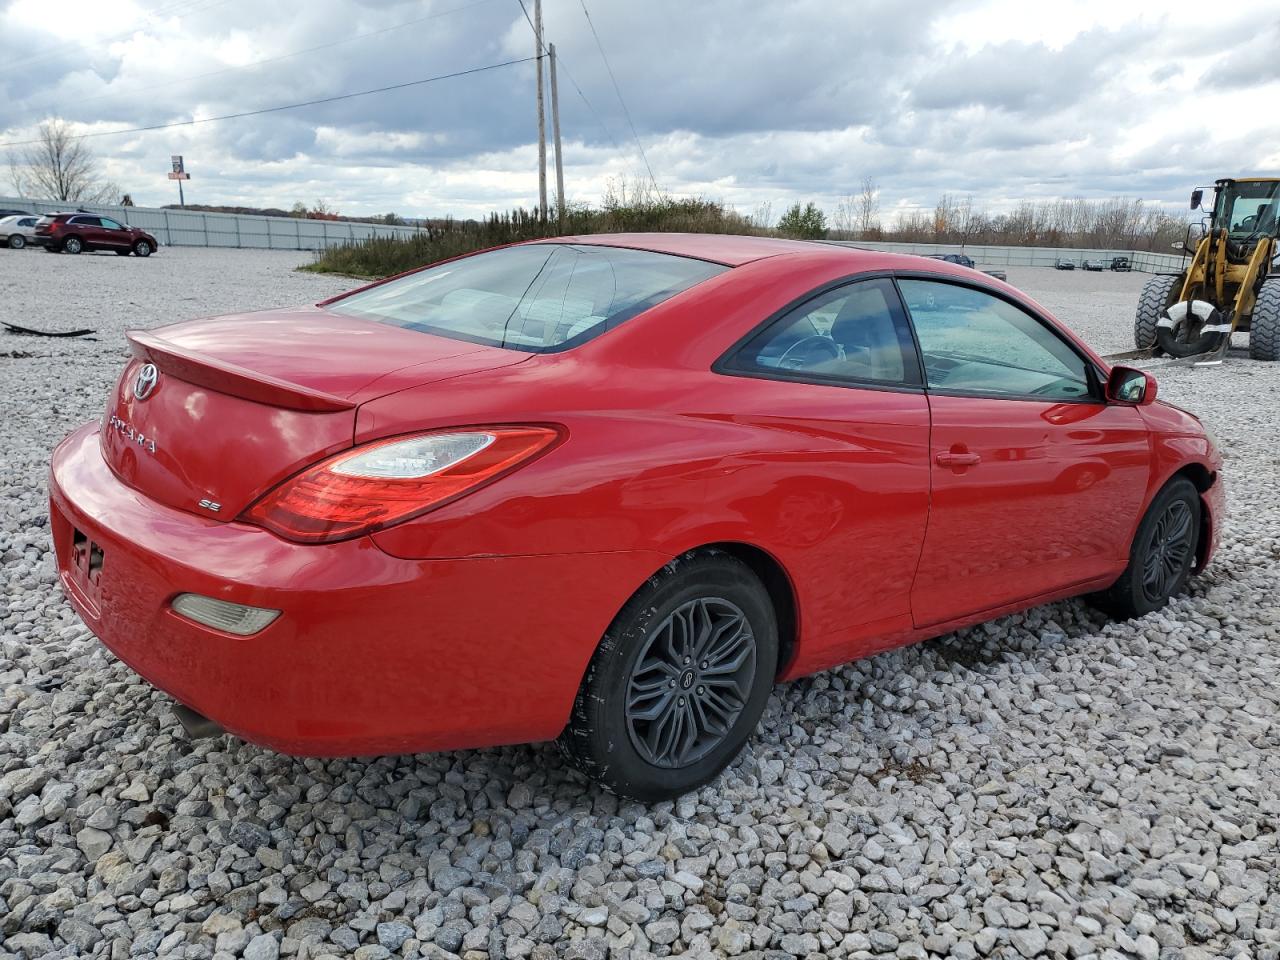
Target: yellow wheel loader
{"points": [[1232, 283]]}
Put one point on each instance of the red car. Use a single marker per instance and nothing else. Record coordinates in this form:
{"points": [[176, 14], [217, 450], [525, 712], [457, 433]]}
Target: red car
{"points": [[607, 489], [79, 232]]}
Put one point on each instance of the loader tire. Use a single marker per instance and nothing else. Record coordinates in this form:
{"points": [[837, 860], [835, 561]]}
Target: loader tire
{"points": [[1264, 333], [1157, 296]]}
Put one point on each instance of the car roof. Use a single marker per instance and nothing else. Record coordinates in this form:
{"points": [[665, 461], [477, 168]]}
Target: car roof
{"points": [[728, 249]]}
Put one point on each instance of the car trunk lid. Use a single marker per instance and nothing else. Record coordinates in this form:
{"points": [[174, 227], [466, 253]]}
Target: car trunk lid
{"points": [[237, 404]]}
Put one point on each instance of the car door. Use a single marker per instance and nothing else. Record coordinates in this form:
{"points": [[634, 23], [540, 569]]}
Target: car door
{"points": [[1036, 481], [88, 229], [839, 402], [113, 234]]}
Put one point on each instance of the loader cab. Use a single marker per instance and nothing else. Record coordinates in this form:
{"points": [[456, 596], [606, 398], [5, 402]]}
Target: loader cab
{"points": [[1247, 209]]}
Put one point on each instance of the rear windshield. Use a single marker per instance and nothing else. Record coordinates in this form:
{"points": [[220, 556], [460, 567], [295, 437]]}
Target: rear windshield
{"points": [[539, 298]]}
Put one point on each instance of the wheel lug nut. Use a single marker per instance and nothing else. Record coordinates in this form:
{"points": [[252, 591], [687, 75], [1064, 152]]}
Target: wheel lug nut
{"points": [[671, 683], [701, 691], [687, 659], [704, 665], [682, 701]]}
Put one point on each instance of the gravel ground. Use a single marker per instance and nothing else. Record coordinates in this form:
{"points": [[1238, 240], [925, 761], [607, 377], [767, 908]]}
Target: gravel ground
{"points": [[1049, 784]]}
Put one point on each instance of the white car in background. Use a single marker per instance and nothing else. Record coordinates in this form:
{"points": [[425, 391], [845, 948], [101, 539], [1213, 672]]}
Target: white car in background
{"points": [[17, 231]]}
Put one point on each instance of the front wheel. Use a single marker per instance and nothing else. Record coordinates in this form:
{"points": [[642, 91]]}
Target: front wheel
{"points": [[1162, 556], [1157, 296], [678, 682], [17, 241], [142, 248], [1264, 330]]}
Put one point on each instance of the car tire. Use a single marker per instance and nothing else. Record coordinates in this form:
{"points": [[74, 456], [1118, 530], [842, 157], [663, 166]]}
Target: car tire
{"points": [[1157, 296], [72, 245], [1264, 328], [142, 248], [652, 720], [1162, 556], [17, 241]]}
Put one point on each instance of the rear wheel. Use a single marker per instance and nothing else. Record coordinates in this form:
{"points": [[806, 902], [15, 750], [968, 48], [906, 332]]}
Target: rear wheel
{"points": [[72, 245], [1157, 296], [142, 248], [1264, 331], [17, 241], [678, 682], [1162, 555]]}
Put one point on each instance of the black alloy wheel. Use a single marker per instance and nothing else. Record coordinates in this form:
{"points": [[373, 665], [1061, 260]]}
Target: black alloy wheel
{"points": [[1169, 551], [678, 682], [1162, 556], [691, 682]]}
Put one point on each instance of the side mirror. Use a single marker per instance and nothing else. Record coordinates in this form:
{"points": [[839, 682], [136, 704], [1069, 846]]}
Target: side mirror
{"points": [[1196, 196], [1131, 385]]}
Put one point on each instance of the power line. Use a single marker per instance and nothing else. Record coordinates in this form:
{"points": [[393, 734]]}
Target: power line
{"points": [[618, 90], [280, 57], [287, 106], [574, 83]]}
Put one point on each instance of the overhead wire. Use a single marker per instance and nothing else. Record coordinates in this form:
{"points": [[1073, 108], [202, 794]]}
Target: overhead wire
{"points": [[279, 57], [618, 90], [287, 106], [562, 65]]}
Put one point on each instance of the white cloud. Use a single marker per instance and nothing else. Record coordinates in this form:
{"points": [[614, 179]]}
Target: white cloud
{"points": [[753, 104]]}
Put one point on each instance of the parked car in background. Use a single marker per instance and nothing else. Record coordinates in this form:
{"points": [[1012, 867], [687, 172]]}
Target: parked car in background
{"points": [[607, 489], [78, 232], [1062, 264], [16, 231], [997, 273], [18, 213], [1121, 264], [959, 259], [1097, 265]]}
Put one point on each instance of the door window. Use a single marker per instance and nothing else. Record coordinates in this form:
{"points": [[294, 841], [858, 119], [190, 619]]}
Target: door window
{"points": [[854, 333], [111, 224], [976, 343]]}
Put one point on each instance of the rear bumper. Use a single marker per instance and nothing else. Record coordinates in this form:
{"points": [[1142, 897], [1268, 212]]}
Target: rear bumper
{"points": [[372, 654], [42, 240]]}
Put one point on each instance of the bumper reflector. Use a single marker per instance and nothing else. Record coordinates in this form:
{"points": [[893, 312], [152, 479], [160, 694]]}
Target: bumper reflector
{"points": [[222, 615]]}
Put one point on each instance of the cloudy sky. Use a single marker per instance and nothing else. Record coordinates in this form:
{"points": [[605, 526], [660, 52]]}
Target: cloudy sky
{"points": [[751, 103]]}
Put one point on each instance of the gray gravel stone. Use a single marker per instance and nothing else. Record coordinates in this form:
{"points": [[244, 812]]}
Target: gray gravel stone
{"points": [[1047, 784]]}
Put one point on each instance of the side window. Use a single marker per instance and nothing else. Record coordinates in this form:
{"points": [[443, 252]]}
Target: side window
{"points": [[856, 333], [975, 343], [111, 224], [85, 221]]}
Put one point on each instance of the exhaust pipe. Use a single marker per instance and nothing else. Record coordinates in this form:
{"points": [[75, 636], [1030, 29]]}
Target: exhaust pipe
{"points": [[197, 725]]}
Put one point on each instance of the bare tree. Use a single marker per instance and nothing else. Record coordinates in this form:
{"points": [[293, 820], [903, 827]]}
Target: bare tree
{"points": [[867, 208], [59, 167]]}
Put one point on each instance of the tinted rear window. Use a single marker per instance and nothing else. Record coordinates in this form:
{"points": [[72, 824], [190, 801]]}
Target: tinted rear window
{"points": [[539, 298]]}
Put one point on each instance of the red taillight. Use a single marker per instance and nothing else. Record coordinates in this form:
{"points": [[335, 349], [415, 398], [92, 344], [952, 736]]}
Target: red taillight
{"points": [[390, 481]]}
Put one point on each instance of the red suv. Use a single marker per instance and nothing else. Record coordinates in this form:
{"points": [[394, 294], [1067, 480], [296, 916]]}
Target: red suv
{"points": [[74, 232]]}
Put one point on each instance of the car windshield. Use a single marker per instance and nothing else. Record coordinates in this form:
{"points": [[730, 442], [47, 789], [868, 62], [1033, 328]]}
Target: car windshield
{"points": [[539, 298]]}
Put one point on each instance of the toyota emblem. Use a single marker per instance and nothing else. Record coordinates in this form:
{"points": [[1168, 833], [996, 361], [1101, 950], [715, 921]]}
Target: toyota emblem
{"points": [[148, 377]]}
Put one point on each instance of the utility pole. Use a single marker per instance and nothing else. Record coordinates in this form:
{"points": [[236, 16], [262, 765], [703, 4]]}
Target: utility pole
{"points": [[542, 119], [555, 135]]}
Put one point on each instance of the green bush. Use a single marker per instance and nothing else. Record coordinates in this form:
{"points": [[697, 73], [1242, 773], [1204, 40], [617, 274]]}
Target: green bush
{"points": [[807, 223], [384, 256]]}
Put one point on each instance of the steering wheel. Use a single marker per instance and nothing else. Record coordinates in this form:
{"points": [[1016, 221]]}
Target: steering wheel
{"points": [[806, 354]]}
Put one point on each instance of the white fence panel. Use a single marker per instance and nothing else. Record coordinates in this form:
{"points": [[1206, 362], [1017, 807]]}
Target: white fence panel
{"points": [[993, 256], [196, 228]]}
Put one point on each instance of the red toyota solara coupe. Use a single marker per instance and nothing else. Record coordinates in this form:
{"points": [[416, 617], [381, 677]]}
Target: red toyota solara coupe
{"points": [[607, 489]]}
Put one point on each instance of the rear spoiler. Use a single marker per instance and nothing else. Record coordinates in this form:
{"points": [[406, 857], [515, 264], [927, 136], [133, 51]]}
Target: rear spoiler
{"points": [[229, 378]]}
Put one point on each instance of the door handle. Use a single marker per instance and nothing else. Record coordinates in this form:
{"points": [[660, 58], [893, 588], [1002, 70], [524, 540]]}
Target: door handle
{"points": [[958, 458]]}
